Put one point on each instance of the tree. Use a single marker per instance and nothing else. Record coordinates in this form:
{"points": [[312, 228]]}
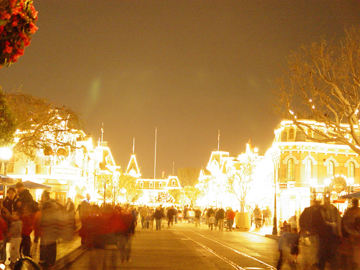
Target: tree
{"points": [[127, 183], [188, 176], [323, 85], [104, 185], [239, 180], [178, 195], [192, 193], [41, 124], [213, 191], [7, 122]]}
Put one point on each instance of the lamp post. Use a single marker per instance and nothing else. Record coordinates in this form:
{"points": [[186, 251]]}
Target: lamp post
{"points": [[275, 232], [5, 155]]}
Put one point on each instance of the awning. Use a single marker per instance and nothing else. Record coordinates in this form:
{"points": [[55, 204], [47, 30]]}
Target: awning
{"points": [[6, 179], [30, 185], [351, 195], [33, 185]]}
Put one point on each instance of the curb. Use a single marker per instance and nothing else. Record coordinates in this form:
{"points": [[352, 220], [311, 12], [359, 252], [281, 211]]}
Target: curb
{"points": [[275, 237], [68, 259]]}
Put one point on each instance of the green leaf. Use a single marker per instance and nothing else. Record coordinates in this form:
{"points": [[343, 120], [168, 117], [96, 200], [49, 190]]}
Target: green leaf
{"points": [[3, 22]]}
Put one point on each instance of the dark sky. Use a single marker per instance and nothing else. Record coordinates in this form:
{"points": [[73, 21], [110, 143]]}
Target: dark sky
{"points": [[189, 68]]}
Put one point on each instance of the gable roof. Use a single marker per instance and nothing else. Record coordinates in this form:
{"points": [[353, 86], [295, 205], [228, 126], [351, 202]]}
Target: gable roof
{"points": [[173, 182], [133, 168]]}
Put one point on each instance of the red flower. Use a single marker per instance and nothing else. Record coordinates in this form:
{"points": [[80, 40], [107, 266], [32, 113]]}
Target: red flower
{"points": [[33, 28], [34, 12], [15, 33], [8, 48], [12, 3], [5, 16]]}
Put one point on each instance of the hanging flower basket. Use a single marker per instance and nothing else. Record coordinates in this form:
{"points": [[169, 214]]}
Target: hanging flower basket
{"points": [[17, 24]]}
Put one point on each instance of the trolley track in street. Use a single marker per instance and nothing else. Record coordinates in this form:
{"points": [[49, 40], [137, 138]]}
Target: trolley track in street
{"points": [[236, 259]]}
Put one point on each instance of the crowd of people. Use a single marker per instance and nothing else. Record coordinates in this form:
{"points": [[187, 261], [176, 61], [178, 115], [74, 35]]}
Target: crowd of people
{"points": [[21, 216], [214, 218], [333, 238], [48, 220], [328, 238]]}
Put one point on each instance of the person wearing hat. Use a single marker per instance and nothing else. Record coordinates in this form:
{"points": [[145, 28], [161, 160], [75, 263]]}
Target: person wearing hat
{"points": [[23, 194]]}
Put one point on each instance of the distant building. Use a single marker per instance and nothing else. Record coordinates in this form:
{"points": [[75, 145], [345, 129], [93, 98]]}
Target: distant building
{"points": [[154, 190], [213, 181]]}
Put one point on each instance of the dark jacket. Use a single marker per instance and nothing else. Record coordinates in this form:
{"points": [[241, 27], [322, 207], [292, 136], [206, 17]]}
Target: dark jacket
{"points": [[209, 212], [26, 198], [170, 213], [9, 207], [220, 214], [158, 214]]}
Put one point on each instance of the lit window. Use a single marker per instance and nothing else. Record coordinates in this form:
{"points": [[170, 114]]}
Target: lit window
{"points": [[160, 185], [330, 168], [151, 184], [309, 133], [141, 184], [290, 169], [173, 183], [308, 169], [351, 169], [291, 134]]}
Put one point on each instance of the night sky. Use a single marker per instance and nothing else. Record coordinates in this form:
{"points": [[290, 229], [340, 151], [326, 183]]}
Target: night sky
{"points": [[189, 68]]}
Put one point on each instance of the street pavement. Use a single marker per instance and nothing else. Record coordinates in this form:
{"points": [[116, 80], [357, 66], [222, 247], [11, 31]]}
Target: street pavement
{"points": [[186, 247], [182, 246]]}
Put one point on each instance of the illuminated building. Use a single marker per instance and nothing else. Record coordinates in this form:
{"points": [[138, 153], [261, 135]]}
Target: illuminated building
{"points": [[214, 180], [71, 170], [154, 190], [304, 170]]}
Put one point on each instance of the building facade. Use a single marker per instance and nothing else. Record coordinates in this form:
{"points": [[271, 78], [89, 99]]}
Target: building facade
{"points": [[303, 170]]}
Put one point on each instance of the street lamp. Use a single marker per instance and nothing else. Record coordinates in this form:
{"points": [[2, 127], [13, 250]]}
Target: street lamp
{"points": [[275, 232], [5, 155]]}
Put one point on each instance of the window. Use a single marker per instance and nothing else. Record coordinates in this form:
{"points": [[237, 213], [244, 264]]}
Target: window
{"points": [[351, 169], [330, 168], [141, 184], [290, 169], [173, 183], [309, 132], [160, 185], [151, 184], [308, 169], [291, 134]]}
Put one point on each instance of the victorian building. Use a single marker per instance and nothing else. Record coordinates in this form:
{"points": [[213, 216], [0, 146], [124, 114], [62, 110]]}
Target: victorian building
{"points": [[304, 170], [154, 191], [215, 179], [67, 170]]}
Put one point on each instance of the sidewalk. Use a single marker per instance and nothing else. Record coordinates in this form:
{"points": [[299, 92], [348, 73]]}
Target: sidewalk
{"points": [[66, 252], [264, 231]]}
